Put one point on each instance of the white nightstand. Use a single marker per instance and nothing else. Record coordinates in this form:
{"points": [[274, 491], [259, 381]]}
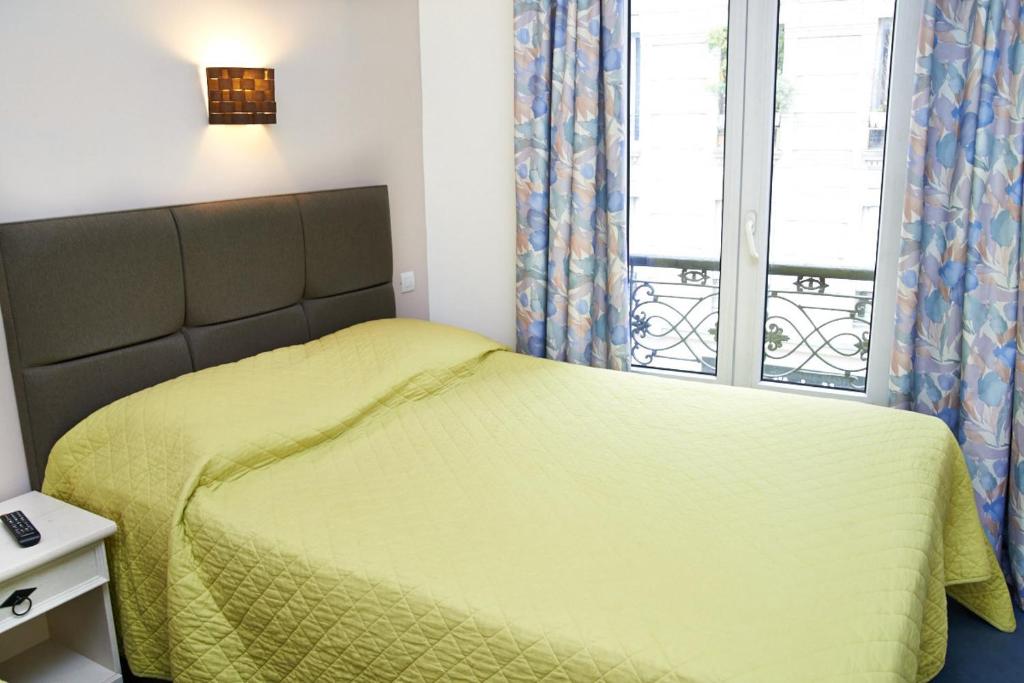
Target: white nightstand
{"points": [[68, 635]]}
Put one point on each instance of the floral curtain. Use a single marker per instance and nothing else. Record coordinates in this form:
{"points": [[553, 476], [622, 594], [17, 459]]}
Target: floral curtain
{"points": [[959, 350], [572, 292]]}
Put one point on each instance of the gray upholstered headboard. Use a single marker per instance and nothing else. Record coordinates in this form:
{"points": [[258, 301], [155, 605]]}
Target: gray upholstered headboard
{"points": [[97, 307]]}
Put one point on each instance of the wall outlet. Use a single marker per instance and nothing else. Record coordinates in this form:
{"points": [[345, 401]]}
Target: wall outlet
{"points": [[407, 281]]}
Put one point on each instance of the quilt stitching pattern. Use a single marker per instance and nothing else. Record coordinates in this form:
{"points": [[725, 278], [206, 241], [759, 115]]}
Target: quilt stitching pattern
{"points": [[464, 519]]}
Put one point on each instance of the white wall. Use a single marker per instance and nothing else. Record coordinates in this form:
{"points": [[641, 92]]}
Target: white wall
{"points": [[101, 109], [468, 159]]}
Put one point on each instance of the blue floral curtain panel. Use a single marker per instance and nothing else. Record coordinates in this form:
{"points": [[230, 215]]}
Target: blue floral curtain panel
{"points": [[572, 286], [959, 350]]}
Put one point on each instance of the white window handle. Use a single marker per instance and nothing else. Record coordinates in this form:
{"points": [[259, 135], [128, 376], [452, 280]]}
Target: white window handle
{"points": [[750, 230]]}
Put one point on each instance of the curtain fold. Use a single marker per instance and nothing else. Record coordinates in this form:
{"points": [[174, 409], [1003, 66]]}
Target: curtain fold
{"points": [[572, 290], [959, 350]]}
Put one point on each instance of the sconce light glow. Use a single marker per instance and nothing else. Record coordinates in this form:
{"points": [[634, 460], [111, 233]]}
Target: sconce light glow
{"points": [[240, 95], [230, 50]]}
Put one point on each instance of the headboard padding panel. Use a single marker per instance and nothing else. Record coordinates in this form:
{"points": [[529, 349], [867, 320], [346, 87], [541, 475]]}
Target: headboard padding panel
{"points": [[342, 310], [223, 343], [241, 258], [343, 224], [98, 307], [78, 286]]}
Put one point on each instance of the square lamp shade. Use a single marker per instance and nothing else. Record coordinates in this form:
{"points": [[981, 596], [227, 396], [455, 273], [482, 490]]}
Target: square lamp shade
{"points": [[239, 95]]}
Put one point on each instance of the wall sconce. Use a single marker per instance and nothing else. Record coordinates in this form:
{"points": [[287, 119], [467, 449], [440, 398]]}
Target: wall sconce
{"points": [[239, 96]]}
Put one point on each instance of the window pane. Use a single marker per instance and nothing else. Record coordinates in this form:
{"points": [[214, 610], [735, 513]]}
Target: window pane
{"points": [[831, 93], [677, 94]]}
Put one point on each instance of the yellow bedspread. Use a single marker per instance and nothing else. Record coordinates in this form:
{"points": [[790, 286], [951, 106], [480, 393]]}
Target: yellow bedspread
{"points": [[406, 501]]}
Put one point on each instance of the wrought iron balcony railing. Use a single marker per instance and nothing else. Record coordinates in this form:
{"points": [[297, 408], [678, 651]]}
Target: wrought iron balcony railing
{"points": [[817, 325]]}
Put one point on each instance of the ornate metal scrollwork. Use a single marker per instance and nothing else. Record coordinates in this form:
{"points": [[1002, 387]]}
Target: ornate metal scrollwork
{"points": [[694, 276], [674, 319], [811, 283], [830, 336], [860, 310], [774, 337], [817, 327]]}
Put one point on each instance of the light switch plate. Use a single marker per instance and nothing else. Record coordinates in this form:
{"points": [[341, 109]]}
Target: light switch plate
{"points": [[407, 281]]}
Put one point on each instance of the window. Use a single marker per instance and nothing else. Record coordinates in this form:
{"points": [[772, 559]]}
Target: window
{"points": [[762, 218], [634, 85], [880, 85], [677, 183], [883, 50]]}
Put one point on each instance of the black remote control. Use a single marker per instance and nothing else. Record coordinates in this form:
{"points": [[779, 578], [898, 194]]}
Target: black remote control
{"points": [[24, 533]]}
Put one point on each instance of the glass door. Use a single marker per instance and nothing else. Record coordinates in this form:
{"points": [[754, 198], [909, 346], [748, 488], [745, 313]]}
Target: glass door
{"points": [[680, 102], [767, 169]]}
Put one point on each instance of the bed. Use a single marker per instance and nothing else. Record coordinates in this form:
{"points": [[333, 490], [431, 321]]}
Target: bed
{"points": [[386, 499]]}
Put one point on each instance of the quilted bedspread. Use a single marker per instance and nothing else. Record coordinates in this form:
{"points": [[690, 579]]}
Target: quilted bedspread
{"points": [[407, 501]]}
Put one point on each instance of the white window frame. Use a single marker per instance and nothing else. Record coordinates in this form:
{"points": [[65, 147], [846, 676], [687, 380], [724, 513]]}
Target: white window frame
{"points": [[750, 109]]}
